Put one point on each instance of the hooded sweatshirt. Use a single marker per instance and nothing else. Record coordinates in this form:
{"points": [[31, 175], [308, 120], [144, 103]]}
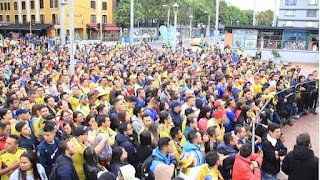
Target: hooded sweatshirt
{"points": [[196, 150]]}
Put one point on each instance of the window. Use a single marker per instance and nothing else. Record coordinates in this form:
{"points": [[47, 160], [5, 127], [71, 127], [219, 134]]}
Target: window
{"points": [[311, 24], [24, 19], [288, 23], [93, 18], [32, 4], [23, 5], [8, 17], [313, 2], [104, 5], [291, 2], [51, 3], [33, 19], [54, 19], [41, 4], [16, 19], [311, 13], [42, 18], [104, 19], [290, 13], [56, 3], [1, 6], [15, 5], [8, 6], [5, 6], [1, 18], [93, 4]]}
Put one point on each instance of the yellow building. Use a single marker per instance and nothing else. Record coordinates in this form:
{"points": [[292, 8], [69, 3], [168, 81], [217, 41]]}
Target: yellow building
{"points": [[46, 14]]}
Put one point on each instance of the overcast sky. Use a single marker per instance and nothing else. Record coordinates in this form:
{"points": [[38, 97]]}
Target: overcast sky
{"points": [[261, 5]]}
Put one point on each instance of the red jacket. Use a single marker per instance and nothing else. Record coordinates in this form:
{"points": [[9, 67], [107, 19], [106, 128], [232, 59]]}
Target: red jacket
{"points": [[241, 168]]}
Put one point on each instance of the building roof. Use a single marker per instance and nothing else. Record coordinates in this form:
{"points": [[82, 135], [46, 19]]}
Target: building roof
{"points": [[268, 27], [36, 27]]}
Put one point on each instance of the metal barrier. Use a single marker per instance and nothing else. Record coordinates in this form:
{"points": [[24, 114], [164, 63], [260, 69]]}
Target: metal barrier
{"points": [[267, 102]]}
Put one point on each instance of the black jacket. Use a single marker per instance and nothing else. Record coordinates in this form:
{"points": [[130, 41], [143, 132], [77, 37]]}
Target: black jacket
{"points": [[227, 149], [270, 164], [129, 146], [66, 172], [301, 164], [91, 171]]}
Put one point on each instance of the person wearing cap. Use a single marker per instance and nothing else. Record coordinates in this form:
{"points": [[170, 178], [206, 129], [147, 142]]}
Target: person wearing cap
{"points": [[23, 115], [84, 105], [127, 172], [218, 120], [27, 139], [175, 109], [81, 137], [103, 84], [219, 104]]}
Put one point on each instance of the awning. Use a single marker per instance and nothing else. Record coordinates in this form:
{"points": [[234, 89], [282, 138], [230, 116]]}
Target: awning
{"points": [[109, 27], [112, 27], [25, 27], [93, 26]]}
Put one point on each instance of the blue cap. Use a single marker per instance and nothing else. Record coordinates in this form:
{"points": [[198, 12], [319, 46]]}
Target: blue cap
{"points": [[174, 104], [21, 111]]}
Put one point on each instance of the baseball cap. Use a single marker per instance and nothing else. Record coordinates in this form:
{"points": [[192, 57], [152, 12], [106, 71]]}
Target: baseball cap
{"points": [[174, 104], [21, 111], [218, 103], [81, 130], [219, 113]]}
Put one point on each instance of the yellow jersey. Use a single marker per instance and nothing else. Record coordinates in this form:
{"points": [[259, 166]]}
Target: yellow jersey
{"points": [[38, 127], [78, 159], [165, 131], [74, 101], [40, 100], [85, 110], [109, 132], [6, 159]]}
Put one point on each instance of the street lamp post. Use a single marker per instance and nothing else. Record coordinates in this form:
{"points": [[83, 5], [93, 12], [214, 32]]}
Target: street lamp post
{"points": [[125, 31], [190, 17], [175, 8], [71, 31], [131, 20], [208, 27], [168, 21], [238, 22], [216, 31]]}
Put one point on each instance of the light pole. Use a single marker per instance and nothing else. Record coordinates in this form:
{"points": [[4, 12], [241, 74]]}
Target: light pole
{"points": [[208, 27], [175, 9], [71, 31], [216, 31], [190, 17], [168, 21], [254, 13], [125, 31], [131, 20], [62, 23], [238, 22]]}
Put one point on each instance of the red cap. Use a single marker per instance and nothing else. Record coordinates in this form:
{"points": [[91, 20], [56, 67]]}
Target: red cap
{"points": [[219, 113], [218, 103]]}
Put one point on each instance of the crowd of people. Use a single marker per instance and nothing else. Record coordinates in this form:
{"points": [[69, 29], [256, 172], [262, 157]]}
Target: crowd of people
{"points": [[139, 113]]}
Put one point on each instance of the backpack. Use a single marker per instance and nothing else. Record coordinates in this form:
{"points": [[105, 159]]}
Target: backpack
{"points": [[144, 168], [54, 175]]}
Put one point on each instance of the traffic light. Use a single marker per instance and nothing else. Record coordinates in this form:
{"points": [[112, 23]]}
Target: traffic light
{"points": [[104, 25], [98, 25]]}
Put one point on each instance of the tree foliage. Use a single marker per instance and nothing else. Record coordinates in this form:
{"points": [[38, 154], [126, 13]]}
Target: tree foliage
{"points": [[122, 13], [265, 17], [153, 9]]}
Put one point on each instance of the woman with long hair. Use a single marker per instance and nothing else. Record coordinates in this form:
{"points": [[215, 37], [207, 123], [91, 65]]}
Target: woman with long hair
{"points": [[78, 118], [123, 116], [68, 129], [119, 158], [204, 116], [91, 166], [245, 116], [155, 134], [29, 168], [239, 105], [92, 123]]}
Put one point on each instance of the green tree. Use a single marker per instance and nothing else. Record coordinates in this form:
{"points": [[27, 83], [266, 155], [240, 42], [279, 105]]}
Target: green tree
{"points": [[122, 13], [265, 17]]}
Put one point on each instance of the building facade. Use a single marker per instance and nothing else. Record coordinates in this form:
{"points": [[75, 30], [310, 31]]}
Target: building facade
{"points": [[87, 14], [299, 13]]}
